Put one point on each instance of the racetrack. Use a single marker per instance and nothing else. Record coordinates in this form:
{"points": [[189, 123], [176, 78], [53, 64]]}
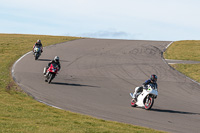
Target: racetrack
{"points": [[97, 76]]}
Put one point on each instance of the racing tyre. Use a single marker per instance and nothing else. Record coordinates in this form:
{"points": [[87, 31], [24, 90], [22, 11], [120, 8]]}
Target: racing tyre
{"points": [[50, 78], [133, 103], [149, 100], [36, 56]]}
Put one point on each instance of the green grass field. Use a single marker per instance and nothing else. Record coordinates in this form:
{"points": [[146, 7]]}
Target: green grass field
{"points": [[21, 113], [190, 70], [185, 50]]}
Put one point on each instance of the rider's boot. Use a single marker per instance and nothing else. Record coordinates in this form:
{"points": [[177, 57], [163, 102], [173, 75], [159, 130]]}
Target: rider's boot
{"points": [[135, 96], [45, 71], [137, 89]]}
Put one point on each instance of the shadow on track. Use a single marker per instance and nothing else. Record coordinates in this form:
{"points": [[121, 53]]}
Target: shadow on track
{"points": [[173, 111], [64, 61], [51, 60], [69, 84], [44, 60]]}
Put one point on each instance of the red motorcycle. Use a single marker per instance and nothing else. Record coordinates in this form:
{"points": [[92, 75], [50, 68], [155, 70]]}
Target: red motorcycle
{"points": [[51, 72]]}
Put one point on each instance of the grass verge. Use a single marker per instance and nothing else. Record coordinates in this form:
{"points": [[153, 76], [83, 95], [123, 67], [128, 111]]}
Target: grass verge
{"points": [[21, 113], [190, 70], [185, 50]]}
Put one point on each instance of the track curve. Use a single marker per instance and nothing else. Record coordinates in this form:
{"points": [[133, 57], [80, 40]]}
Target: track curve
{"points": [[97, 76]]}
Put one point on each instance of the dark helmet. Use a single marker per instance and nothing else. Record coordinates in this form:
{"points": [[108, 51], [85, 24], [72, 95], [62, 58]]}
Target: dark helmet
{"points": [[153, 78], [56, 59]]}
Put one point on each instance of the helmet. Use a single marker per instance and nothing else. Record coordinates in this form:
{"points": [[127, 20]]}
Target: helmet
{"points": [[56, 59], [38, 41], [153, 78]]}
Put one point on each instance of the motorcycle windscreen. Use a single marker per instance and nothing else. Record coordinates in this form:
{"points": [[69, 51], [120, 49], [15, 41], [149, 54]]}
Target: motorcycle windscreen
{"points": [[54, 65], [153, 86]]}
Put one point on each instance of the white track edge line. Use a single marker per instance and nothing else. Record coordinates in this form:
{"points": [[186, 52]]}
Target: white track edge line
{"points": [[175, 63], [13, 76], [13, 67]]}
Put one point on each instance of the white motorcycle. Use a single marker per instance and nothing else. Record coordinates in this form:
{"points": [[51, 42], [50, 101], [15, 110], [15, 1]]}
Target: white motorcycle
{"points": [[145, 98], [37, 52]]}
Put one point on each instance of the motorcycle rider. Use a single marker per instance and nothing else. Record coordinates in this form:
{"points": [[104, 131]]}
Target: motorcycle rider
{"points": [[56, 61], [38, 44], [152, 80]]}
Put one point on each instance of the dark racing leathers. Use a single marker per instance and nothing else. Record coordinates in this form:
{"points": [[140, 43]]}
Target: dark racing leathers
{"points": [[38, 45], [53, 62], [144, 86], [49, 64]]}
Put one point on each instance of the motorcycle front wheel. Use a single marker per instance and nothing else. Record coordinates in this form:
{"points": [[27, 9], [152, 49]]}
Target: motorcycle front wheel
{"points": [[36, 56], [149, 100], [51, 76]]}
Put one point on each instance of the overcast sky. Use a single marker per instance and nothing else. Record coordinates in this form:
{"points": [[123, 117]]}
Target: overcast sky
{"points": [[169, 20]]}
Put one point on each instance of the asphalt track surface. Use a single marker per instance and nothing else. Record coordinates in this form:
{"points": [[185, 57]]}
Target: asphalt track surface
{"points": [[97, 76]]}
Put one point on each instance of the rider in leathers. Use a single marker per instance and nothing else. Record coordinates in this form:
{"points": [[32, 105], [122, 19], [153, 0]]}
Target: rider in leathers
{"points": [[152, 81], [38, 44], [56, 61]]}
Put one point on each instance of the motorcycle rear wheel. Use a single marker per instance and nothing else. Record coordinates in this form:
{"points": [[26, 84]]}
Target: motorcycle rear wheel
{"points": [[133, 103]]}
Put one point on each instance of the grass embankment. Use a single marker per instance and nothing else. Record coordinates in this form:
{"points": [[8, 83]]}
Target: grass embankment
{"points": [[21, 113], [185, 50]]}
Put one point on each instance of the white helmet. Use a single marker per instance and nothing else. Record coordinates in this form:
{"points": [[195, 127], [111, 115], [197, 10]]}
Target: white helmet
{"points": [[56, 58], [38, 41]]}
